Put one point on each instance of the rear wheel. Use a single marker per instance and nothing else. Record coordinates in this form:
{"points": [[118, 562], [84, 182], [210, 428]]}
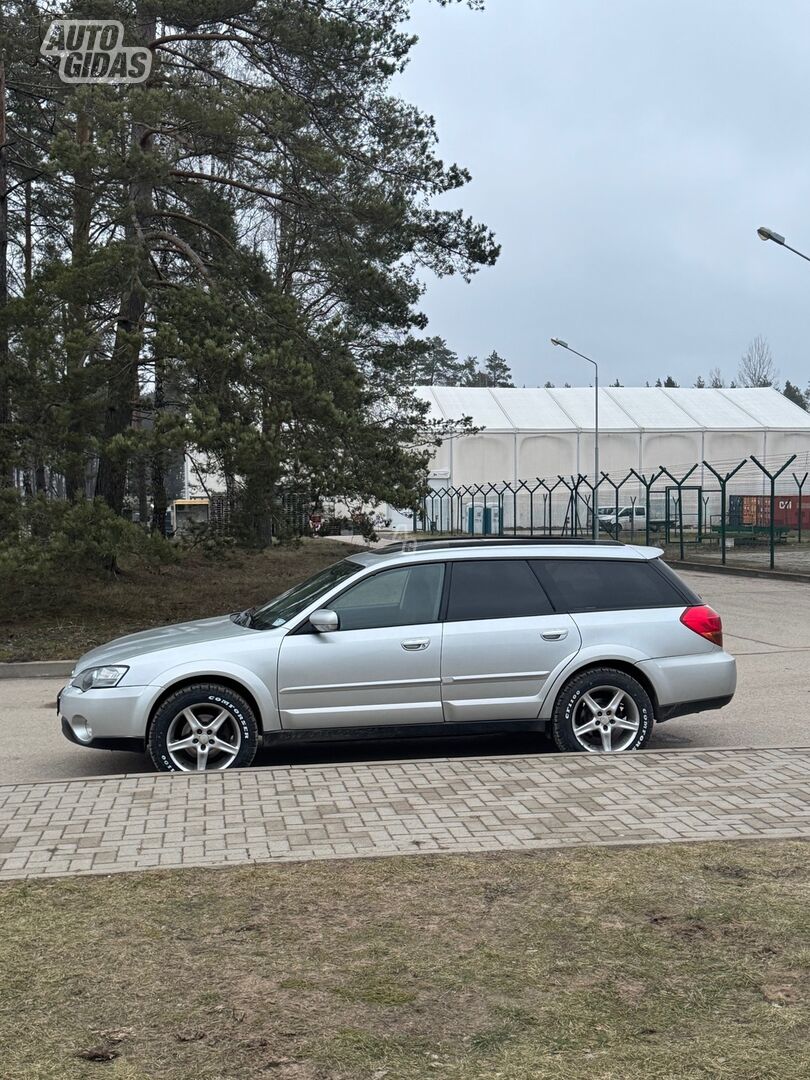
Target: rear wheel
{"points": [[203, 728], [603, 710]]}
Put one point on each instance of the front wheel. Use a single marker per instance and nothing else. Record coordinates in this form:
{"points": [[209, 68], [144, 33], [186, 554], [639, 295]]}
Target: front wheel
{"points": [[203, 728], [603, 710]]}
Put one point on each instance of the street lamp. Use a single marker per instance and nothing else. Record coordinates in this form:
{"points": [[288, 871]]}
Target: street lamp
{"points": [[768, 234], [565, 345]]}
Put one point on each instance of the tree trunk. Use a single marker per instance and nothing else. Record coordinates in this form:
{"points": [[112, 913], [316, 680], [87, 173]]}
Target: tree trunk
{"points": [[28, 244], [160, 500], [123, 388], [76, 349], [122, 392], [6, 449]]}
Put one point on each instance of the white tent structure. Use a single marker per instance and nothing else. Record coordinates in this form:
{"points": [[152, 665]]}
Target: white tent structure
{"points": [[531, 432]]}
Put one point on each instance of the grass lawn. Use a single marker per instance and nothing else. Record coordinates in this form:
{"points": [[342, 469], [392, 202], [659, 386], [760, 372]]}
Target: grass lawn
{"points": [[685, 961], [65, 616]]}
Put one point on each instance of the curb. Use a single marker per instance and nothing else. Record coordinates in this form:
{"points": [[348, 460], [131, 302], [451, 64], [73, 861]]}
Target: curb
{"points": [[37, 669], [738, 571]]}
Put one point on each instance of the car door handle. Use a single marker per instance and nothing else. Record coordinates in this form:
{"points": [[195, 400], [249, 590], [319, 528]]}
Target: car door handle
{"points": [[554, 635], [415, 644]]}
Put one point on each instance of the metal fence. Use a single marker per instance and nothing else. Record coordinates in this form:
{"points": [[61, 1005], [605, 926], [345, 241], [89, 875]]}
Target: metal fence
{"points": [[750, 512]]}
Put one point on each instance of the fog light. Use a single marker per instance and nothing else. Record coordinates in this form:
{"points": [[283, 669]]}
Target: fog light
{"points": [[81, 729]]}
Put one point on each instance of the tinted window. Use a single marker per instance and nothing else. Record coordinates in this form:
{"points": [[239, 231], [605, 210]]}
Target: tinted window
{"points": [[495, 589], [401, 597], [607, 584]]}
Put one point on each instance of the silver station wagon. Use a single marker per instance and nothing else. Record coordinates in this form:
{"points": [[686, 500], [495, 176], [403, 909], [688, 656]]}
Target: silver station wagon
{"points": [[590, 642]]}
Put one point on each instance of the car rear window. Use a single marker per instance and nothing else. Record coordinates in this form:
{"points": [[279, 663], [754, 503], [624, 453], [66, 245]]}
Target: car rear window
{"points": [[609, 584], [495, 589]]}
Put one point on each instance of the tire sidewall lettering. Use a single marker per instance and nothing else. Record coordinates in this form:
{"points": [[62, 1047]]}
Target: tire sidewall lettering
{"points": [[240, 711], [562, 727]]}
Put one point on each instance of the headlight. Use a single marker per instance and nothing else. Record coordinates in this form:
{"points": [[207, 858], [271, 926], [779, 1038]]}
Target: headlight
{"points": [[96, 677]]}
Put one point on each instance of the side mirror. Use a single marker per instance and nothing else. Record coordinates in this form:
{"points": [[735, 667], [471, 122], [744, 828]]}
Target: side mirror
{"points": [[324, 620]]}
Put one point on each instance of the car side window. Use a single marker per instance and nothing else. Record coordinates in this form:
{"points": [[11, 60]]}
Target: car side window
{"points": [[404, 596], [606, 584], [495, 589]]}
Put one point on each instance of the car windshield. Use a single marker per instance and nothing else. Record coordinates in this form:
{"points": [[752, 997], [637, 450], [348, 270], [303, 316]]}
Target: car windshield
{"points": [[290, 603]]}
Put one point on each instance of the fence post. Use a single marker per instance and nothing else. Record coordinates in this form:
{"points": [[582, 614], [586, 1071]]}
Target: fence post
{"points": [[800, 485], [615, 486], [773, 477], [523, 486], [543, 484], [594, 505], [571, 506], [647, 485], [499, 496], [723, 482]]}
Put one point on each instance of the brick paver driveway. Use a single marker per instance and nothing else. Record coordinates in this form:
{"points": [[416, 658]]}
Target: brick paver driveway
{"points": [[339, 811]]}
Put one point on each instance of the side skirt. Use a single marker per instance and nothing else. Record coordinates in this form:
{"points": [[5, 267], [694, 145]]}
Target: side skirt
{"points": [[402, 731]]}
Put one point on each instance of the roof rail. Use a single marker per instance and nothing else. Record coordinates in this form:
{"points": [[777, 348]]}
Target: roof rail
{"points": [[497, 541]]}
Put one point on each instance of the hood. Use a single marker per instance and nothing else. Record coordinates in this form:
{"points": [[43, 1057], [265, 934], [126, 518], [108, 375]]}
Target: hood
{"points": [[162, 637]]}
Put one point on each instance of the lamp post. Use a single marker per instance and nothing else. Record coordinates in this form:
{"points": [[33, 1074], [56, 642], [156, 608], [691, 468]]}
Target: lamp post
{"points": [[594, 507], [768, 234]]}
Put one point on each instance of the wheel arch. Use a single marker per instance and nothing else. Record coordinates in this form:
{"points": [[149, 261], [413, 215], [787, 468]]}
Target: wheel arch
{"points": [[624, 665], [187, 681]]}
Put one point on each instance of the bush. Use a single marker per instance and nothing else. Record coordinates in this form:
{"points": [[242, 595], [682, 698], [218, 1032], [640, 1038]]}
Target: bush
{"points": [[39, 536]]}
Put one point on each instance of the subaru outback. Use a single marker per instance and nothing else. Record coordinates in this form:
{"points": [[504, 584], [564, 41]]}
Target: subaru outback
{"points": [[590, 642]]}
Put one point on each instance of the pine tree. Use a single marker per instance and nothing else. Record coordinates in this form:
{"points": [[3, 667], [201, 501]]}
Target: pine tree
{"points": [[794, 394], [497, 371], [716, 380], [436, 364], [228, 256]]}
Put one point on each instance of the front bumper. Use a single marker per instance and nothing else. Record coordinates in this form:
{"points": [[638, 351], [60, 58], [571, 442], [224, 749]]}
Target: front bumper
{"points": [[105, 719], [133, 745]]}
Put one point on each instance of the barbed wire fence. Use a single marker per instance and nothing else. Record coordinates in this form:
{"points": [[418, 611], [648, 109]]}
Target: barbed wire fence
{"points": [[749, 512]]}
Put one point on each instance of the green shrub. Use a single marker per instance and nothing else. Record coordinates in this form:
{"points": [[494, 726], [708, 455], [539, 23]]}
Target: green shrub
{"points": [[39, 536]]}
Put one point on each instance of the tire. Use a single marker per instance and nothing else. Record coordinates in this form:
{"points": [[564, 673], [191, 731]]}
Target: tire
{"points": [[612, 723], [224, 733]]}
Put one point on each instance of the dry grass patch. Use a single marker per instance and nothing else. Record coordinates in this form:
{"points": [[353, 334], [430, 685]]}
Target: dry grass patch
{"points": [[63, 617], [686, 961]]}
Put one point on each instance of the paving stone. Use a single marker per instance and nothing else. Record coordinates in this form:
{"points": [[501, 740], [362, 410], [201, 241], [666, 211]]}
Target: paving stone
{"points": [[480, 804]]}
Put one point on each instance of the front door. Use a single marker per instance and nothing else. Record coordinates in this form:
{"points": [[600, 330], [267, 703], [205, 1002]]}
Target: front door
{"points": [[501, 641], [381, 666]]}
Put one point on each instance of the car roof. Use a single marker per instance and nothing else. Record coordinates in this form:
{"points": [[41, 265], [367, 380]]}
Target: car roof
{"points": [[502, 547]]}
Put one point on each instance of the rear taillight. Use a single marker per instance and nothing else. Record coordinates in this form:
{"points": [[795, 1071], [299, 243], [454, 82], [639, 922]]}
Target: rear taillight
{"points": [[704, 621]]}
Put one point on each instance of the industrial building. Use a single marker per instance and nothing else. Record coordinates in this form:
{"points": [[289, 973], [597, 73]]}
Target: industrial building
{"points": [[488, 480], [532, 432]]}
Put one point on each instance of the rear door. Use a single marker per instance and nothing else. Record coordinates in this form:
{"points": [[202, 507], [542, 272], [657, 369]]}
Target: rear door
{"points": [[622, 603], [501, 641]]}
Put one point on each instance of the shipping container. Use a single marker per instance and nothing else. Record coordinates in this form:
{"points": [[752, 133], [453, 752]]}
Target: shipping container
{"points": [[756, 510]]}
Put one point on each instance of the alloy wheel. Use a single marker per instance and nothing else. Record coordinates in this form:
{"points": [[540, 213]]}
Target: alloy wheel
{"points": [[606, 720], [203, 738]]}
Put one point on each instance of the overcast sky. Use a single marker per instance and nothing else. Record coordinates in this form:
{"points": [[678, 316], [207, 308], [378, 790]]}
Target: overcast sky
{"points": [[624, 152]]}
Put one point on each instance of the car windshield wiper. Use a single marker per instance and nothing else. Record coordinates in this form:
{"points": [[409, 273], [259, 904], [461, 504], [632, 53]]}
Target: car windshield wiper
{"points": [[244, 618]]}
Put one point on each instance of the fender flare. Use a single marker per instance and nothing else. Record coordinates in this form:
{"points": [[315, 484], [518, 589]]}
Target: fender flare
{"points": [[588, 657], [269, 718]]}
